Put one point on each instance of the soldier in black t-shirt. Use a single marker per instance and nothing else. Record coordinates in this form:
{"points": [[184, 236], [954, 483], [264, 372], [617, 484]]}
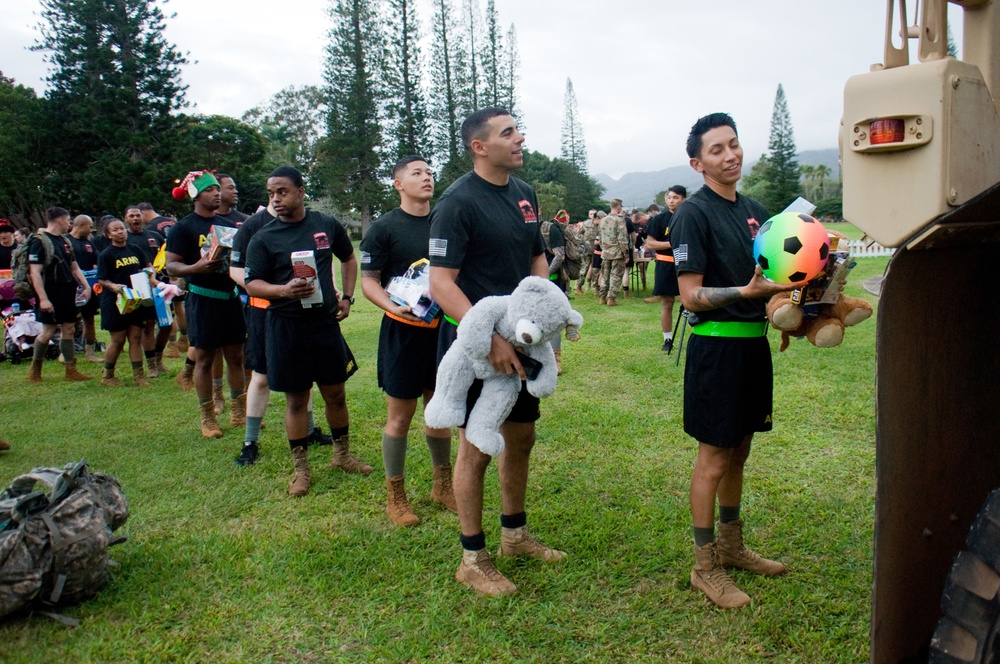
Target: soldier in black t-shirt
{"points": [[289, 262], [665, 276], [485, 238], [230, 197], [115, 267], [7, 246], [154, 220], [728, 375], [86, 257], [407, 346], [148, 242], [215, 315], [55, 276]]}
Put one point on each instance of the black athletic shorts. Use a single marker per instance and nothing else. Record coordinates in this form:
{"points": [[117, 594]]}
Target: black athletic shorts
{"points": [[63, 299], [301, 352], [255, 355], [213, 323], [525, 410], [407, 359], [727, 389], [596, 262], [665, 280], [92, 307], [114, 321]]}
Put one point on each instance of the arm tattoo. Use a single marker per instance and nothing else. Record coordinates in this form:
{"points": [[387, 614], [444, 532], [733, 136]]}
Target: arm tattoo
{"points": [[372, 274], [714, 298]]}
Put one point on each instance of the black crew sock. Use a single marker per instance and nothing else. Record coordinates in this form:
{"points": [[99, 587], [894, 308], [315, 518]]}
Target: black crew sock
{"points": [[703, 536], [473, 543], [298, 442], [728, 514], [514, 520]]}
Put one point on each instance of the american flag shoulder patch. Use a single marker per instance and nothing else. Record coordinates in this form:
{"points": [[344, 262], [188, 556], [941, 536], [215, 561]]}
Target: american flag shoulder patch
{"points": [[437, 247], [366, 258], [680, 253]]}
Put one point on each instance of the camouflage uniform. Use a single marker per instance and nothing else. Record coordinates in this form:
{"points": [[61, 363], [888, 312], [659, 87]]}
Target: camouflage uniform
{"points": [[614, 253]]}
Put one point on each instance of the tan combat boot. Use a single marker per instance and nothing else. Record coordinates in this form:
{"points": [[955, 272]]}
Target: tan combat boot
{"points": [[108, 378], [209, 425], [343, 459], [218, 399], [35, 372], [182, 343], [238, 411], [612, 302], [442, 491], [172, 351], [186, 377], [73, 375], [139, 378], [398, 507], [90, 353], [710, 577], [732, 553], [602, 300], [519, 542], [558, 354], [477, 572], [299, 486], [154, 367]]}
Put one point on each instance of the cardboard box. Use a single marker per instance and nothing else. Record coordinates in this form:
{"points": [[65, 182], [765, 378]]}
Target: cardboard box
{"points": [[140, 284], [164, 312], [219, 242], [127, 300], [304, 267]]}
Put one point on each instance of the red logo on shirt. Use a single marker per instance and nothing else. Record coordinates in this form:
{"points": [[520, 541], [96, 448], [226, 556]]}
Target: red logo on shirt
{"points": [[322, 241], [528, 212], [754, 227]]}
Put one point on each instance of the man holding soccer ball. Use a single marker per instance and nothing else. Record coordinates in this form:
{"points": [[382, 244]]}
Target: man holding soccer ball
{"points": [[728, 375]]}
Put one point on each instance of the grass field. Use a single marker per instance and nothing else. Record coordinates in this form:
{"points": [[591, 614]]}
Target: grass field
{"points": [[222, 566]]}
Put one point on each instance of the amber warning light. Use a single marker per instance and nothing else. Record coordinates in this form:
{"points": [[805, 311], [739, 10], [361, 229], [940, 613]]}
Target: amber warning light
{"points": [[886, 131]]}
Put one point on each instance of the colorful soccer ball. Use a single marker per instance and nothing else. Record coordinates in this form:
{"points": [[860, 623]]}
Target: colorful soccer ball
{"points": [[791, 247]]}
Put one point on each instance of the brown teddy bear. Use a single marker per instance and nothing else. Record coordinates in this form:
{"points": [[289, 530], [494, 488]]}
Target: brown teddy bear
{"points": [[826, 329]]}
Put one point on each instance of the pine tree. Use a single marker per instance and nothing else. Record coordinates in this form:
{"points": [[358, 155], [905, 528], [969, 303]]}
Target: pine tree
{"points": [[511, 77], [349, 163], [493, 57], [114, 83], [472, 37], [445, 83], [407, 118], [573, 148], [774, 180]]}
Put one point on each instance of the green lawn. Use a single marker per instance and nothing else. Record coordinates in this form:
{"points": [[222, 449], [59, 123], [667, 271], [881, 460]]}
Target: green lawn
{"points": [[222, 566]]}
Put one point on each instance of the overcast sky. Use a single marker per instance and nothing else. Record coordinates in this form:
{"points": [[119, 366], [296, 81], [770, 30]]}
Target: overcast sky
{"points": [[643, 70]]}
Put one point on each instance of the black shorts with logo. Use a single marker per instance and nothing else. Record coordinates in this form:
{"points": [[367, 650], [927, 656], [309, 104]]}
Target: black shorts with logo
{"points": [[728, 385], [303, 351], [526, 409]]}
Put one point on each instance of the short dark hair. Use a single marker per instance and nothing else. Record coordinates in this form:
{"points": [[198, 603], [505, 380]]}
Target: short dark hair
{"points": [[473, 126], [55, 212], [219, 176], [131, 207], [653, 207], [406, 161], [145, 207], [706, 124], [680, 190], [106, 223], [292, 174]]}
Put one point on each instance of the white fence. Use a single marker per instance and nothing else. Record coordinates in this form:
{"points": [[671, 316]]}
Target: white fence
{"points": [[868, 249]]}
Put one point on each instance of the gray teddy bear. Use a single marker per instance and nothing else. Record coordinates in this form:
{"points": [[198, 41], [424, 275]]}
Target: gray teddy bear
{"points": [[536, 312]]}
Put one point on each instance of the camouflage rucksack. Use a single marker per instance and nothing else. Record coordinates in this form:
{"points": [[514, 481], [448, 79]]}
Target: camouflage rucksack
{"points": [[21, 269], [54, 542], [573, 244]]}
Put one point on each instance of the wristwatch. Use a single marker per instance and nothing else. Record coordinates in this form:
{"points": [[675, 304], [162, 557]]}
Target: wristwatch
{"points": [[349, 298]]}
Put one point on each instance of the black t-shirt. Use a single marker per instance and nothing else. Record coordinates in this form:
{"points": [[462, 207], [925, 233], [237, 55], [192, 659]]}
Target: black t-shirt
{"points": [[393, 242], [101, 242], [658, 228], [186, 239], [61, 269], [489, 233], [235, 217], [117, 264], [556, 240], [161, 225], [5, 255], [85, 252], [249, 228], [148, 241], [269, 258], [713, 236]]}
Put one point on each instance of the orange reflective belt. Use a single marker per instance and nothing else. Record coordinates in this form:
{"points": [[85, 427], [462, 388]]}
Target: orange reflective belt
{"points": [[665, 258], [434, 323], [258, 302]]}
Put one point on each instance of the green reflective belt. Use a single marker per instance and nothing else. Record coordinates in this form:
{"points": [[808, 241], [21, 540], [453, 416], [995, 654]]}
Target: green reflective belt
{"points": [[730, 328], [554, 277], [210, 292], [450, 320]]}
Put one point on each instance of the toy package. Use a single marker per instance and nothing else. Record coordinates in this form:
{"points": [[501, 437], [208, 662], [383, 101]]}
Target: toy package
{"points": [[413, 290], [219, 242], [826, 288], [304, 267]]}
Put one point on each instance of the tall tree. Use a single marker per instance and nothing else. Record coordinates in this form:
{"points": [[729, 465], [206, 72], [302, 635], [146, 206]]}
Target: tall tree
{"points": [[445, 83], [774, 180], [114, 83], [573, 148], [349, 164], [407, 120], [472, 39], [23, 146], [292, 122], [493, 57], [511, 74]]}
